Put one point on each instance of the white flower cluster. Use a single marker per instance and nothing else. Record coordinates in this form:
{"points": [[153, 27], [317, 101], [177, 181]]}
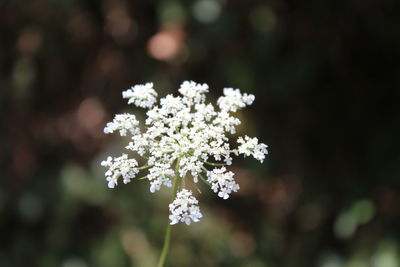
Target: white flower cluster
{"points": [[234, 100], [184, 208], [222, 182], [250, 146], [193, 92], [160, 174], [120, 166], [124, 123], [182, 134], [142, 95]]}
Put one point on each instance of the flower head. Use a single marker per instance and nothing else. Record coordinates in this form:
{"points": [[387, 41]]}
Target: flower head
{"points": [[193, 92], [141, 95], [222, 182], [184, 208], [124, 123], [234, 100], [120, 166], [183, 135], [250, 146], [159, 175]]}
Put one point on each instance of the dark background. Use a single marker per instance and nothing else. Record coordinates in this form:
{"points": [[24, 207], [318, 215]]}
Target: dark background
{"points": [[326, 76]]}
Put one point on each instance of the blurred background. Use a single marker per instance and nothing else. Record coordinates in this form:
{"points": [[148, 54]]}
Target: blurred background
{"points": [[326, 76]]}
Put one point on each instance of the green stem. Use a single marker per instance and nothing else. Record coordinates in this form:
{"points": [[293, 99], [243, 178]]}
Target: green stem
{"points": [[167, 238], [167, 242], [144, 167], [204, 180], [204, 169], [215, 164]]}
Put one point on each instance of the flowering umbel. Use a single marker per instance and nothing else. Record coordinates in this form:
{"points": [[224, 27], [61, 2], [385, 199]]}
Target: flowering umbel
{"points": [[184, 138]]}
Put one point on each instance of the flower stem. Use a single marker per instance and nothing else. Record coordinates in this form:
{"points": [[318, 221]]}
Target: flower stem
{"points": [[215, 164], [167, 237], [145, 167], [167, 242], [204, 180]]}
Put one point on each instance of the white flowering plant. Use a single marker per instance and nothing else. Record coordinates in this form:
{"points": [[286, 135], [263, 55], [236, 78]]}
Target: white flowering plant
{"points": [[184, 139]]}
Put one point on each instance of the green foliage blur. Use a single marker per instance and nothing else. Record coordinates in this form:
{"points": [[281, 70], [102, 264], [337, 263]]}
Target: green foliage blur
{"points": [[326, 79]]}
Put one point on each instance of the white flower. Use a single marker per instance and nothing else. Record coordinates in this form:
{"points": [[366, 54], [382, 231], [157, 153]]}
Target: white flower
{"points": [[123, 122], [193, 92], [120, 166], [171, 105], [183, 137], [159, 175], [234, 100], [250, 146], [140, 95], [222, 182], [184, 208], [225, 120]]}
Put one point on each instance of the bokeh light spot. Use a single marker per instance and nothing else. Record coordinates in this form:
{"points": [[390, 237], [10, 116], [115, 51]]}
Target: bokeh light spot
{"points": [[345, 225], [119, 24], [364, 210], [29, 41], [387, 254], [206, 11], [166, 44], [90, 113]]}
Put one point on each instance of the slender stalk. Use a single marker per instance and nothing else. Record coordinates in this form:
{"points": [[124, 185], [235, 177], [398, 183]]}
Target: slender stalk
{"points": [[167, 242], [167, 238], [204, 169], [204, 180], [145, 167], [215, 164]]}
